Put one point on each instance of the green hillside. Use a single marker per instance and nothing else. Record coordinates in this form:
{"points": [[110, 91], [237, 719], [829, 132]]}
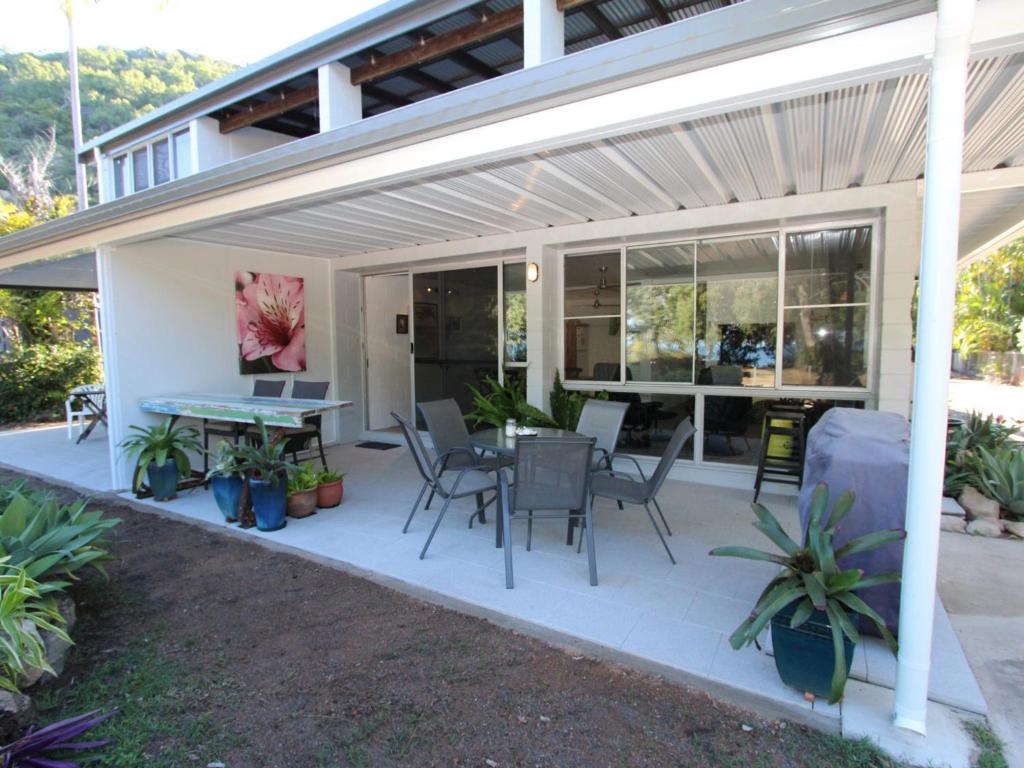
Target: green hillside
{"points": [[116, 86]]}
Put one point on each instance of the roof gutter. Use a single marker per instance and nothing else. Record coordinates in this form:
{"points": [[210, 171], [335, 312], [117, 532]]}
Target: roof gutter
{"points": [[718, 37]]}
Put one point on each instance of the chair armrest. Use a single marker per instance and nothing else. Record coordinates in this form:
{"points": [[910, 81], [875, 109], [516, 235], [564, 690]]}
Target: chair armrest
{"points": [[636, 463]]}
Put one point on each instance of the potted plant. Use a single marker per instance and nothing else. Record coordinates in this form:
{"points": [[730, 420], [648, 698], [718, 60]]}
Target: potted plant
{"points": [[812, 602], [160, 454], [267, 471], [302, 485], [330, 488], [226, 480]]}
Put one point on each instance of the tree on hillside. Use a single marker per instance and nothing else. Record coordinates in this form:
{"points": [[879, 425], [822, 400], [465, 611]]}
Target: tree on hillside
{"points": [[990, 303]]}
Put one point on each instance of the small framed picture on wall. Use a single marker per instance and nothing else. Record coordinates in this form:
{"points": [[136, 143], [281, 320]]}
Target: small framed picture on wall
{"points": [[402, 324]]}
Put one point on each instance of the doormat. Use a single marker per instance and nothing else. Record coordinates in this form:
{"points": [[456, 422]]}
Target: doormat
{"points": [[376, 446]]}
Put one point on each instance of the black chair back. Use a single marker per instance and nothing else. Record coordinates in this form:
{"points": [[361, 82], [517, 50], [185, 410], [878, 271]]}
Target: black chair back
{"points": [[552, 473], [683, 432], [267, 388], [310, 390]]}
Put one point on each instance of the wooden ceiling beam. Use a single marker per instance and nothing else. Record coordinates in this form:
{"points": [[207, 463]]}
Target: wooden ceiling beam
{"points": [[436, 47], [601, 21], [256, 113]]}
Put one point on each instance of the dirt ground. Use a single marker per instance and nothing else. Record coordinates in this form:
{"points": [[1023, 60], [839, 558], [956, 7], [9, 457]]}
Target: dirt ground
{"points": [[218, 650]]}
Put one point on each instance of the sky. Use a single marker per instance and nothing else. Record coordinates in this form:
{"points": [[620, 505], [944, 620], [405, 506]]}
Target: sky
{"points": [[238, 31]]}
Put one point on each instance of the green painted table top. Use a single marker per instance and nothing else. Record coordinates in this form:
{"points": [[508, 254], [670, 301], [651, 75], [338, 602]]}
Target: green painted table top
{"points": [[243, 409]]}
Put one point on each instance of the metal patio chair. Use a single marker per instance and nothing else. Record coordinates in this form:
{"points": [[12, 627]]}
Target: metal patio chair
{"points": [[233, 430], [602, 420], [623, 488], [549, 473], [451, 439], [470, 481], [301, 438]]}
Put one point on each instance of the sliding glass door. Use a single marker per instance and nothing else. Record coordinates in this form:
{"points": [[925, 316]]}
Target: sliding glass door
{"points": [[455, 332]]}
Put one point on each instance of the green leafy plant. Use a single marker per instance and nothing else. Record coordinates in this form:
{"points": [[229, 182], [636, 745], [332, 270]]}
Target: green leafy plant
{"points": [[264, 460], [35, 380], [505, 402], [159, 443], [567, 404], [223, 461], [962, 449], [49, 539], [811, 578], [1001, 476], [329, 476], [303, 478], [24, 612]]}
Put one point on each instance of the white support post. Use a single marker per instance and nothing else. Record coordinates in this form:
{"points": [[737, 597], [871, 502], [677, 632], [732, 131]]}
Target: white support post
{"points": [[120, 470], [940, 229], [542, 333], [543, 32], [341, 103]]}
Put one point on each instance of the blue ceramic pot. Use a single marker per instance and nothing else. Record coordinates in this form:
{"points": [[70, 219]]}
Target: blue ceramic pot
{"points": [[163, 481], [269, 503], [227, 492], [805, 657]]}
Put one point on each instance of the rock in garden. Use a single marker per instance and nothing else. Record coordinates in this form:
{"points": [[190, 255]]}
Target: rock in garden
{"points": [[985, 527], [1015, 529], [953, 524], [16, 711], [978, 506]]}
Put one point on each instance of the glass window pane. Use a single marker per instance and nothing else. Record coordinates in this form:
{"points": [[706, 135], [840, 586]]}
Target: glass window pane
{"points": [[733, 425], [592, 285], [182, 154], [832, 266], [650, 421], [737, 311], [140, 169], [514, 289], [659, 313], [592, 349], [120, 175], [161, 162], [825, 347]]}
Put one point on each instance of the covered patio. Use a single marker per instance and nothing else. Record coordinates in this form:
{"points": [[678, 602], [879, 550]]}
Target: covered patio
{"points": [[673, 621]]}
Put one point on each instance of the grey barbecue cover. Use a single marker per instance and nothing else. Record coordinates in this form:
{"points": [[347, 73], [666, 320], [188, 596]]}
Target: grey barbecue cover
{"points": [[867, 452]]}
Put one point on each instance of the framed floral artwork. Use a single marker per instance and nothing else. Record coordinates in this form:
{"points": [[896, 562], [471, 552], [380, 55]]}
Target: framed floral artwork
{"points": [[270, 315]]}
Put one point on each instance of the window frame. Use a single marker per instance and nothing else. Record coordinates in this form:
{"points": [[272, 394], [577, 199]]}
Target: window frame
{"points": [[867, 393], [129, 151]]}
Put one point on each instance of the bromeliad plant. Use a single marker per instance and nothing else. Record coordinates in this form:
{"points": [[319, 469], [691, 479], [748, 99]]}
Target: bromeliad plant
{"points": [[812, 579], [223, 461], [157, 444], [964, 446], [49, 539], [24, 612], [44, 748], [1000, 474], [264, 460]]}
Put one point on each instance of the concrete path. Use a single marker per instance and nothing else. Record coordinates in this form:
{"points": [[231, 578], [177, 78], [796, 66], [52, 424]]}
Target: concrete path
{"points": [[967, 395], [979, 581]]}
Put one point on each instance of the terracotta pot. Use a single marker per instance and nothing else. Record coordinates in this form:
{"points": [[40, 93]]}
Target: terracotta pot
{"points": [[302, 504], [330, 494]]}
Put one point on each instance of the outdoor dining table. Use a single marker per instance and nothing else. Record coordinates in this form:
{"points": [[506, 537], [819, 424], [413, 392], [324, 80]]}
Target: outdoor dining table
{"points": [[94, 398], [496, 441]]}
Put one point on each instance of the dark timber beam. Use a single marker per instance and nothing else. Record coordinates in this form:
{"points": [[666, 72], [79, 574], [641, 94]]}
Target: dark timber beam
{"points": [[434, 48], [601, 22], [659, 12], [257, 113], [386, 96]]}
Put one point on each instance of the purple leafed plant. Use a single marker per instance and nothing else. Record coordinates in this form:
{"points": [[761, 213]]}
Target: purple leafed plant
{"points": [[30, 750]]}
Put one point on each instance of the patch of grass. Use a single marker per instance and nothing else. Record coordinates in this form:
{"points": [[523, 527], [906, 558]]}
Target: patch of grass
{"points": [[837, 752], [990, 748], [167, 716]]}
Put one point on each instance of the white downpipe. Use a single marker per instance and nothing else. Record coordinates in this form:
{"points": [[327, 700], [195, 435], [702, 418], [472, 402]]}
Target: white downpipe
{"points": [[940, 231]]}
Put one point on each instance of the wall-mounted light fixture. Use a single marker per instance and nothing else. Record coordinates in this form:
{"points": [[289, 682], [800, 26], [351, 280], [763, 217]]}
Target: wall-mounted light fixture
{"points": [[532, 272]]}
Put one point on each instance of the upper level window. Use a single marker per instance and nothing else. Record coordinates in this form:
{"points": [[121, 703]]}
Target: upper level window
{"points": [[182, 141], [161, 151], [120, 175], [168, 157], [140, 169]]}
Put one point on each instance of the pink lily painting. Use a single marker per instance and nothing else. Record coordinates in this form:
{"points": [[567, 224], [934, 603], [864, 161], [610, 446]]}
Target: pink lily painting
{"points": [[270, 312]]}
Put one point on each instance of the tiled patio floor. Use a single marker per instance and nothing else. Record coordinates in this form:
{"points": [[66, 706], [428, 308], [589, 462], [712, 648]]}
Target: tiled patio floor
{"points": [[674, 620]]}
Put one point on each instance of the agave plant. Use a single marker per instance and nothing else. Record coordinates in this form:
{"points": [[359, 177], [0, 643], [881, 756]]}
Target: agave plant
{"points": [[1001, 476], [49, 539], [159, 443], [812, 578], [964, 445], [31, 750], [24, 611]]}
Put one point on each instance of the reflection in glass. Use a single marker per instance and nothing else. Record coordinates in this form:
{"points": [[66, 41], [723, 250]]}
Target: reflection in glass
{"points": [[120, 175], [650, 421], [140, 169], [828, 267], [161, 162], [733, 425], [737, 302], [825, 347], [182, 154], [592, 349], [592, 285], [514, 289], [659, 313]]}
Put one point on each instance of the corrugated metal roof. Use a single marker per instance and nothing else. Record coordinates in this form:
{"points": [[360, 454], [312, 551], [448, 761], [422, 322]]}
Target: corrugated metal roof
{"points": [[867, 134]]}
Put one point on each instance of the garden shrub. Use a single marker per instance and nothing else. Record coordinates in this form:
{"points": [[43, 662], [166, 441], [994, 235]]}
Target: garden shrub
{"points": [[35, 380]]}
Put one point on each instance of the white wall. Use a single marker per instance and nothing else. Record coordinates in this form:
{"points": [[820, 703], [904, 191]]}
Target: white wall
{"points": [[211, 148], [388, 374], [172, 326], [349, 353]]}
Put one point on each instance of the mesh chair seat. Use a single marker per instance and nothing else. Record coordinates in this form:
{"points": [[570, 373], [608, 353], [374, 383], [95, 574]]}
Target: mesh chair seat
{"points": [[619, 488], [472, 483]]}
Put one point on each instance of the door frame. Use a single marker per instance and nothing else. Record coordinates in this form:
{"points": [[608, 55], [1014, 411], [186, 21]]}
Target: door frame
{"points": [[364, 341]]}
